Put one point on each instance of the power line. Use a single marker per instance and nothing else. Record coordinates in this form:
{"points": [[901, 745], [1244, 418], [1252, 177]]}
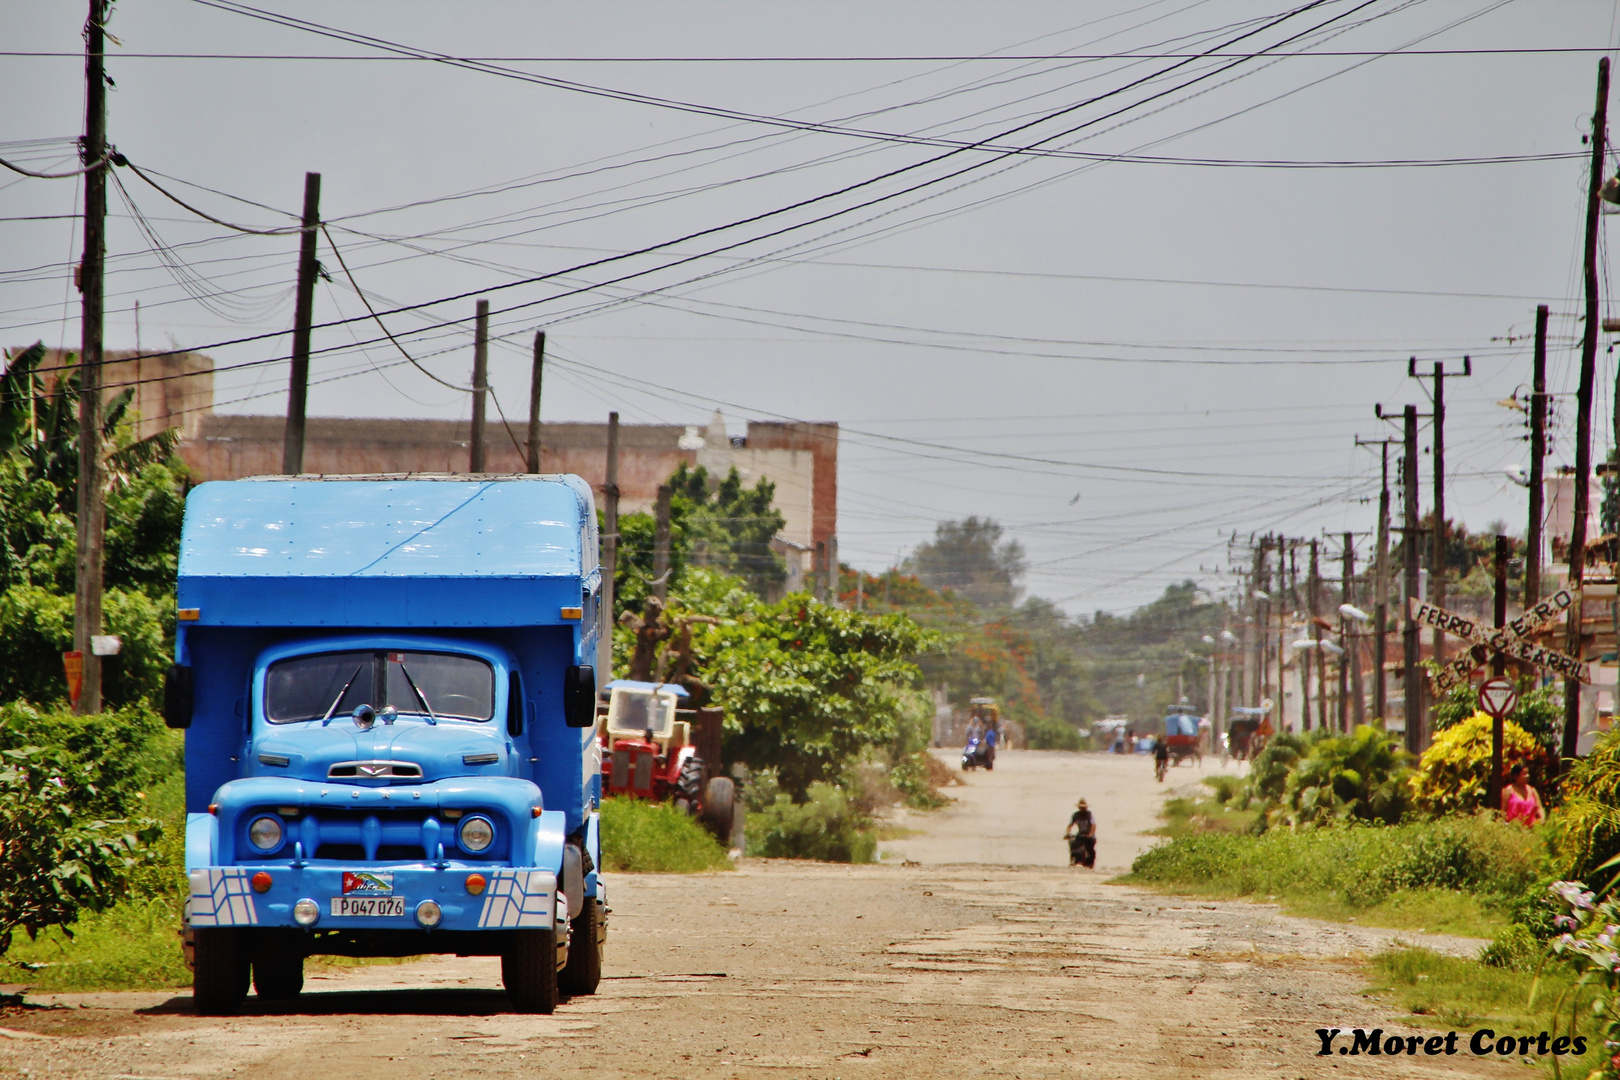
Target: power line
{"points": [[922, 58]]}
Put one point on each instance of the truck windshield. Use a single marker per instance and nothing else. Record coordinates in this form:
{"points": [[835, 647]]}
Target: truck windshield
{"points": [[306, 687]]}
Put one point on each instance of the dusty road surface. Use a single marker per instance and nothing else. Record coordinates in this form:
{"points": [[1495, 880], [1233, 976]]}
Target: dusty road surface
{"points": [[993, 968]]}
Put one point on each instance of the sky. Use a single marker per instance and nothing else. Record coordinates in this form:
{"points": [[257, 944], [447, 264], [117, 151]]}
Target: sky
{"points": [[1049, 263]]}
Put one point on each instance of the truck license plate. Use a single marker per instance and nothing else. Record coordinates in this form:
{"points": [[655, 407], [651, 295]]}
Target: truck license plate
{"points": [[380, 906]]}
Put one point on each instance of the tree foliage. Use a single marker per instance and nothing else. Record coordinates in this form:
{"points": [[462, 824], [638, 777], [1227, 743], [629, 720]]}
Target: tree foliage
{"points": [[724, 526], [70, 796], [1357, 777], [145, 503], [972, 558], [1454, 773]]}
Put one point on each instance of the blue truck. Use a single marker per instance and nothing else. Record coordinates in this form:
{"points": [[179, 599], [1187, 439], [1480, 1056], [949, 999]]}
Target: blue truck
{"points": [[389, 705]]}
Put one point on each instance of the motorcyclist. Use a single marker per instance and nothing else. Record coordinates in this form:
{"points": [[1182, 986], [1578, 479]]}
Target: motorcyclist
{"points": [[1161, 756], [1082, 836]]}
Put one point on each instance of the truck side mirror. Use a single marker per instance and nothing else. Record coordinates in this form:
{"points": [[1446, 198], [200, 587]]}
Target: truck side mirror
{"points": [[178, 695], [579, 695], [514, 705]]}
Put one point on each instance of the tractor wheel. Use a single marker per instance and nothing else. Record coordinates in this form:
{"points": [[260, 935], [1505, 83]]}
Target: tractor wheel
{"points": [[683, 806], [278, 977], [584, 968], [220, 979], [719, 812], [529, 971]]}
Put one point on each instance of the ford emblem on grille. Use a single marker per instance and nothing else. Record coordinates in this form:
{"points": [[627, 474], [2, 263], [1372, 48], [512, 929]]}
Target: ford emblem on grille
{"points": [[374, 770]]}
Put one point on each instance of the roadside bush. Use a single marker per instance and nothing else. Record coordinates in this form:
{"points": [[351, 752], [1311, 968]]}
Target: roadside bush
{"points": [[647, 837], [1361, 776], [827, 828], [916, 779], [1268, 773], [1225, 787], [1454, 773], [1357, 865], [1586, 829], [1045, 733]]}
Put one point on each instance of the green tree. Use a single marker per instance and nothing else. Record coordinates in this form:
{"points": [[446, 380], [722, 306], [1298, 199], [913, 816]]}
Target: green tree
{"points": [[971, 557]]}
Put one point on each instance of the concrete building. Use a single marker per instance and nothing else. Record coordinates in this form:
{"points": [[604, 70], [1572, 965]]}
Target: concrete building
{"points": [[800, 458]]}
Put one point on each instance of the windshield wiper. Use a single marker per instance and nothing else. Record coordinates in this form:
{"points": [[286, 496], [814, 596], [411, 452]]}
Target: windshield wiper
{"points": [[418, 692], [327, 719]]}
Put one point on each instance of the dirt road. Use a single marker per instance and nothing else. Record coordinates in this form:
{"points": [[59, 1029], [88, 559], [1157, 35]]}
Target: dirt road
{"points": [[1011, 965]]}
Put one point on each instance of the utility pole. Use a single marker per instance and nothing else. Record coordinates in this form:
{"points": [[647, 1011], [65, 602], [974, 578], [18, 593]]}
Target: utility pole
{"points": [[1352, 656], [610, 551], [1315, 601], [292, 446], [1575, 646], [661, 543], [1413, 707], [534, 400], [1381, 585], [1437, 556], [1538, 454], [91, 500], [1249, 692], [480, 386], [1498, 668]]}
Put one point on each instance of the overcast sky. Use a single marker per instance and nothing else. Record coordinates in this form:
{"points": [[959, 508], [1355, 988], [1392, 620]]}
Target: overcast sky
{"points": [[999, 334]]}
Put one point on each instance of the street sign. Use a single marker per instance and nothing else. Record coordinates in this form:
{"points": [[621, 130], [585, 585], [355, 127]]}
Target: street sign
{"points": [[1509, 640], [1497, 697]]}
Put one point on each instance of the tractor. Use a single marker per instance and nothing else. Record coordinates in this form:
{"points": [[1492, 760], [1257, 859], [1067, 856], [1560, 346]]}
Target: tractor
{"points": [[653, 749]]}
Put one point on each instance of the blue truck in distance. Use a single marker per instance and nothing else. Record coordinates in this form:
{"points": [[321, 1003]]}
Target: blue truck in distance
{"points": [[389, 706]]}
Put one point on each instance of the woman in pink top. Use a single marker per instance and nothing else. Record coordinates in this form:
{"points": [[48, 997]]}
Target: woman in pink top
{"points": [[1519, 800]]}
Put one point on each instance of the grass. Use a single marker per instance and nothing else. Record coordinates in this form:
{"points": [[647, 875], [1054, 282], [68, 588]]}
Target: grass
{"points": [[132, 946], [646, 837], [1456, 875], [1190, 815], [1450, 993]]}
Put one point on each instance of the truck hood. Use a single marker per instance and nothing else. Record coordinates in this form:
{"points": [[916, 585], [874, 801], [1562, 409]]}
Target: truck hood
{"points": [[406, 752]]}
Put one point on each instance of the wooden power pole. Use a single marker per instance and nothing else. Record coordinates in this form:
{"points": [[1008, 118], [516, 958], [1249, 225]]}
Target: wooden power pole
{"points": [[661, 543], [292, 446], [91, 506], [1352, 703], [1437, 551], [1493, 797], [610, 551], [1538, 455], [534, 400], [1575, 646], [1413, 676], [480, 386]]}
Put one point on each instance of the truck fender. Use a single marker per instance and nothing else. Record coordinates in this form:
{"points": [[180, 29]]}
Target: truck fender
{"points": [[550, 837], [202, 840], [593, 847]]}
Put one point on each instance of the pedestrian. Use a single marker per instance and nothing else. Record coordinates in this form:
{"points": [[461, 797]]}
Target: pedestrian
{"points": [[1520, 802]]}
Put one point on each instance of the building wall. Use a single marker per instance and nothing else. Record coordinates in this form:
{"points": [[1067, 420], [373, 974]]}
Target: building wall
{"points": [[173, 390]]}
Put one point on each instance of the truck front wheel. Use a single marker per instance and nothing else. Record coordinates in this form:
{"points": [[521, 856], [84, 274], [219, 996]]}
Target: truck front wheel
{"points": [[529, 971], [584, 968], [220, 980]]}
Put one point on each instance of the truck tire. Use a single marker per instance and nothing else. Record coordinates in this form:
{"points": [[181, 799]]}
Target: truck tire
{"points": [[529, 971], [278, 977], [584, 968], [220, 980], [719, 808]]}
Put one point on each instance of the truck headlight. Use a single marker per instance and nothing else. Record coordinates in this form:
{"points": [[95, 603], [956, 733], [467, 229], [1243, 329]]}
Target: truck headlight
{"points": [[265, 833], [305, 912], [428, 914], [476, 834]]}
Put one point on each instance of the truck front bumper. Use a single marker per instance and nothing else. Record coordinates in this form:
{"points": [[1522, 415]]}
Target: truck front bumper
{"points": [[510, 898]]}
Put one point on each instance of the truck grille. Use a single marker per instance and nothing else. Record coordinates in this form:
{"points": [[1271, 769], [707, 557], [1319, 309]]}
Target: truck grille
{"points": [[374, 770]]}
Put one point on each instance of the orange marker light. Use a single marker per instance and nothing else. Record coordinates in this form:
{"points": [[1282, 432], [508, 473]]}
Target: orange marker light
{"points": [[261, 882], [475, 884]]}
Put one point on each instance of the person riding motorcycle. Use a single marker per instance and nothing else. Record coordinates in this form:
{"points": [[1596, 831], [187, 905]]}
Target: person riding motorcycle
{"points": [[1082, 836], [1161, 756]]}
